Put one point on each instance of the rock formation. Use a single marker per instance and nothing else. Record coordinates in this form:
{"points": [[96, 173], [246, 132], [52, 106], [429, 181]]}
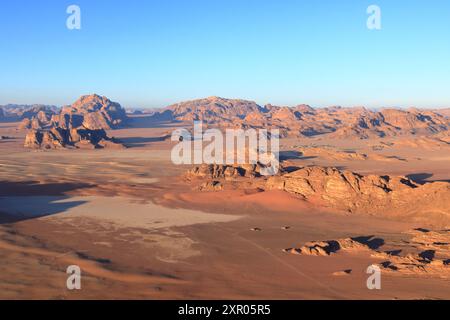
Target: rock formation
{"points": [[216, 171], [17, 111], [397, 197], [211, 186], [57, 138], [371, 194], [80, 125], [426, 254], [304, 121], [92, 112], [326, 248], [213, 110], [40, 120]]}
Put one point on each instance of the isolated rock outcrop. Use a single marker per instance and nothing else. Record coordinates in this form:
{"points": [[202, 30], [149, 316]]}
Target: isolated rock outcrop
{"points": [[211, 186], [221, 171], [42, 112], [92, 112], [57, 138], [397, 197], [335, 184], [426, 254], [326, 248], [80, 125]]}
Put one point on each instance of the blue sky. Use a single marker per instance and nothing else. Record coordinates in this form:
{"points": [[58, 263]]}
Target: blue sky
{"points": [[153, 53]]}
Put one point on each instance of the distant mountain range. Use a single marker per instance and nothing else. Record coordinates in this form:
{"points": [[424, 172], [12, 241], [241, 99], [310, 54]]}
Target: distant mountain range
{"points": [[305, 121], [95, 112], [22, 110]]}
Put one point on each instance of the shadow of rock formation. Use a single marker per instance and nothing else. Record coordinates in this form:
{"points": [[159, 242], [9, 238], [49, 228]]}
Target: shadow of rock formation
{"points": [[29, 199]]}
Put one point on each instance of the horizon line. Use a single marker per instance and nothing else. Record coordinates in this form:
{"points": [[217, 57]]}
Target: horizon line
{"points": [[127, 106]]}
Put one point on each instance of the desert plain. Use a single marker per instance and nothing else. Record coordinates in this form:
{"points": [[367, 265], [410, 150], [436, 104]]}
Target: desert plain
{"points": [[355, 190]]}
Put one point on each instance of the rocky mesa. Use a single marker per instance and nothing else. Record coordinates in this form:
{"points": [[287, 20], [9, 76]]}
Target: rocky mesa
{"points": [[59, 138], [343, 190]]}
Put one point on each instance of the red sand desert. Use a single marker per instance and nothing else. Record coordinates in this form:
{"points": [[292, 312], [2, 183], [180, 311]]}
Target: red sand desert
{"points": [[93, 186]]}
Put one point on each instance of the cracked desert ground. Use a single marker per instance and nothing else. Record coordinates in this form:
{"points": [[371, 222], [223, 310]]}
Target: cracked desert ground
{"points": [[138, 230]]}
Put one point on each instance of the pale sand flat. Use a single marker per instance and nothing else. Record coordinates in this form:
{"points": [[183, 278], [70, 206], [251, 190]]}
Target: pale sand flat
{"points": [[118, 210]]}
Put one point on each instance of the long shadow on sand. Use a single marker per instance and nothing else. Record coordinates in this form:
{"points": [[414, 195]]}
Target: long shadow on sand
{"points": [[370, 241], [29, 200], [422, 178]]}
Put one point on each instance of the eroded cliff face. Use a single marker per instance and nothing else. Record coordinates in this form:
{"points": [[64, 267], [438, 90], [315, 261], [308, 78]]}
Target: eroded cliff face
{"points": [[80, 125], [92, 112], [58, 138]]}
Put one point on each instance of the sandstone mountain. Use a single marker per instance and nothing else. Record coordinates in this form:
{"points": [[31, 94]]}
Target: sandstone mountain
{"points": [[92, 112], [304, 121], [89, 112], [79, 125], [426, 254], [212, 110]]}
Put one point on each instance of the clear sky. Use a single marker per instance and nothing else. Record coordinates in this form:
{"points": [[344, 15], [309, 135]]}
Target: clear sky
{"points": [[153, 53]]}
